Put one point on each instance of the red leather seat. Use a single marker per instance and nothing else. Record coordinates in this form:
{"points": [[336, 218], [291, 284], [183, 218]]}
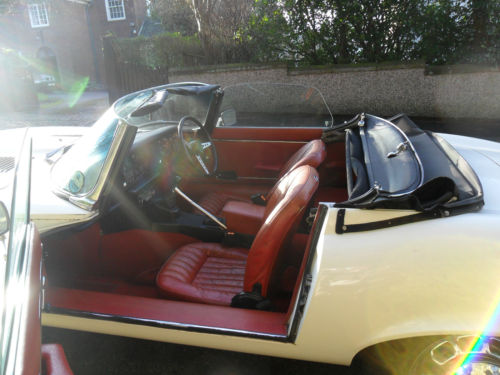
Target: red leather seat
{"points": [[212, 273], [312, 153]]}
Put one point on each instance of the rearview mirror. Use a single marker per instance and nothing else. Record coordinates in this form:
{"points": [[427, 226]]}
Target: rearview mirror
{"points": [[154, 103], [228, 117], [4, 219]]}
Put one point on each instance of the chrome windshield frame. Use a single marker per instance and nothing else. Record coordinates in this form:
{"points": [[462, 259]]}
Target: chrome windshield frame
{"points": [[89, 200]]}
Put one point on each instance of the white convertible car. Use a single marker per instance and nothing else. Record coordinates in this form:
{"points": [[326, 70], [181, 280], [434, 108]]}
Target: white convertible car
{"points": [[245, 219]]}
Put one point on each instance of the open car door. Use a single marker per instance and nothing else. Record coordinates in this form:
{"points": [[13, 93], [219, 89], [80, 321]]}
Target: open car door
{"points": [[21, 268]]}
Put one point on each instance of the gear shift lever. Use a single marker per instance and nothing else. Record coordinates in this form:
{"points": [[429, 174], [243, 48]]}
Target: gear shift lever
{"points": [[198, 207]]}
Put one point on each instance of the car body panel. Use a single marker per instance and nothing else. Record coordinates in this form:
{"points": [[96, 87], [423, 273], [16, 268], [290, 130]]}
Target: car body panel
{"points": [[21, 273], [393, 283], [48, 210]]}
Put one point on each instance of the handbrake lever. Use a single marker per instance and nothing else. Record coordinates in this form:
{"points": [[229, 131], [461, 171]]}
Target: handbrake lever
{"points": [[198, 207]]}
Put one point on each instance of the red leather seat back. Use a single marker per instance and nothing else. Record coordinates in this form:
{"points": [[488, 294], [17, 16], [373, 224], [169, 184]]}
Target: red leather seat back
{"points": [[312, 153], [284, 210]]}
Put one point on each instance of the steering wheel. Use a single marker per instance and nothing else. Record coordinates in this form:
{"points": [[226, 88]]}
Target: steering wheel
{"points": [[199, 147]]}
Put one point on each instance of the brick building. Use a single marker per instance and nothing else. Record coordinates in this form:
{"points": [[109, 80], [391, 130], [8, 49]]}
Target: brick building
{"points": [[63, 38]]}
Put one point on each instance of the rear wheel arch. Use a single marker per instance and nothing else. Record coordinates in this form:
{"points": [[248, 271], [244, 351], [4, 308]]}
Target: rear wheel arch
{"points": [[430, 355]]}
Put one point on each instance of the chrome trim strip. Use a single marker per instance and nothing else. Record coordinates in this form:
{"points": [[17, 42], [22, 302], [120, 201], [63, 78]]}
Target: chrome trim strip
{"points": [[90, 218], [165, 324], [198, 207], [303, 294]]}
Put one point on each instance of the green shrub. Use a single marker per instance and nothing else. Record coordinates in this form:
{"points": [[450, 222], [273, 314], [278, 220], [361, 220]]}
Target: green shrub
{"points": [[163, 50]]}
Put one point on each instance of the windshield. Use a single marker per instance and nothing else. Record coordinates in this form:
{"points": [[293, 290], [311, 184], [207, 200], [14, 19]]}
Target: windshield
{"points": [[274, 105], [77, 171]]}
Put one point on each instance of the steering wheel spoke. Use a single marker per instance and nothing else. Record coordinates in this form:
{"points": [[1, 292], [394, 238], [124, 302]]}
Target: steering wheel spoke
{"points": [[202, 163], [199, 148]]}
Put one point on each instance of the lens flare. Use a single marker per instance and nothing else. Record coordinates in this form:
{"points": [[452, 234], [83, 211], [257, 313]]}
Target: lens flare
{"points": [[478, 343], [76, 90]]}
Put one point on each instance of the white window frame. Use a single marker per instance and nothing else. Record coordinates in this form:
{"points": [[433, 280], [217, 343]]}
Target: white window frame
{"points": [[108, 11], [35, 11]]}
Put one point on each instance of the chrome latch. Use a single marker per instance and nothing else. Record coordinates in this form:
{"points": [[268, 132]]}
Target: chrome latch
{"points": [[403, 146]]}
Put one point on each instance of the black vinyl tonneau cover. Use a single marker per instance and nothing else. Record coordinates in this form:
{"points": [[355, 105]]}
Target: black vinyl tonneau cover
{"points": [[395, 164]]}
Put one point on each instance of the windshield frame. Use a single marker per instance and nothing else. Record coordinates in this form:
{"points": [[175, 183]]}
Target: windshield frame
{"points": [[89, 200], [254, 87]]}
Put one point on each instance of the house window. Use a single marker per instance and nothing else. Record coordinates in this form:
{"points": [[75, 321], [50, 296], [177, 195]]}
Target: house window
{"points": [[39, 16], [115, 10]]}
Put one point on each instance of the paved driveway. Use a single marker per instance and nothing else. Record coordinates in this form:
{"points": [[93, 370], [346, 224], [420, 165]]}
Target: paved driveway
{"points": [[101, 354], [59, 109]]}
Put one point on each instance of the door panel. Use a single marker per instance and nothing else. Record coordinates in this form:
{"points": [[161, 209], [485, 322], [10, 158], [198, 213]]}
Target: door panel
{"points": [[259, 152], [262, 152], [255, 158]]}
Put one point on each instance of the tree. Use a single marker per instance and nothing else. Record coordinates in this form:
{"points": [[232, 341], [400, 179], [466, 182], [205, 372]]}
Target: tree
{"points": [[176, 16], [482, 31], [267, 32], [219, 25], [342, 31]]}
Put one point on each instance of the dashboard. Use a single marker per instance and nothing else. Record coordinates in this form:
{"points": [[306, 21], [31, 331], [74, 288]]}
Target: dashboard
{"points": [[152, 156]]}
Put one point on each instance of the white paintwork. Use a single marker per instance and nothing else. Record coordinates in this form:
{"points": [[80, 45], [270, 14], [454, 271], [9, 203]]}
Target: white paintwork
{"points": [[48, 138], [432, 277], [487, 148], [48, 211]]}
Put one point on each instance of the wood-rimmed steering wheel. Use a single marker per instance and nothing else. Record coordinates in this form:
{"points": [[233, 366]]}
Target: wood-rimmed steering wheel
{"points": [[198, 145]]}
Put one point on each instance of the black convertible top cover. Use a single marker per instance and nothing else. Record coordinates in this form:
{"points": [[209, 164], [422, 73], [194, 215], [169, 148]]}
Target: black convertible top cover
{"points": [[395, 164]]}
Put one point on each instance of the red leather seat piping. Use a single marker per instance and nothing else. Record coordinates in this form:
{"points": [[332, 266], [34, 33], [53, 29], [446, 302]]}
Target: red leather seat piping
{"points": [[214, 202], [203, 272]]}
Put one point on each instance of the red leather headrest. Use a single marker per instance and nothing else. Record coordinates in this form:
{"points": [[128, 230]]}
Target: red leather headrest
{"points": [[284, 211]]}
